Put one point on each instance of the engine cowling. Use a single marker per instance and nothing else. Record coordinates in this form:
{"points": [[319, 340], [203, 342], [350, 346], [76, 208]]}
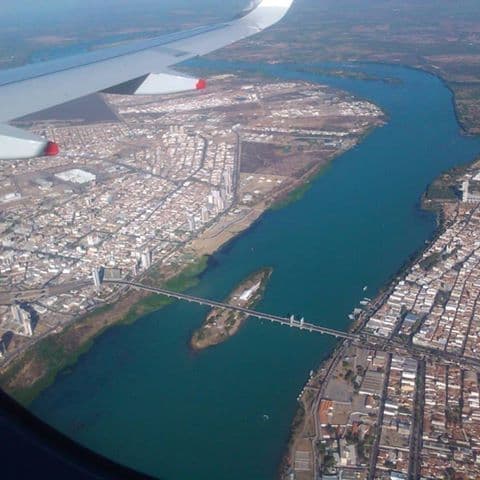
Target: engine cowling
{"points": [[17, 144]]}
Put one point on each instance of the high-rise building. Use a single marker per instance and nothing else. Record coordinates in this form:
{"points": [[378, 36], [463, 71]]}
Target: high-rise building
{"points": [[146, 259], [218, 201], [227, 180], [191, 223], [465, 185], [97, 280], [22, 320], [204, 214]]}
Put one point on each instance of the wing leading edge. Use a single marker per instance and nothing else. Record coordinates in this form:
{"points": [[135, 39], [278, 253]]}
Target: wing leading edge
{"points": [[137, 67]]}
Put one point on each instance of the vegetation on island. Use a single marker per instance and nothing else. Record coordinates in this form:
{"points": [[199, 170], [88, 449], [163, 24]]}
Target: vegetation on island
{"points": [[221, 324]]}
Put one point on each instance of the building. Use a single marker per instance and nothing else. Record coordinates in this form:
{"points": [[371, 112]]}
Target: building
{"points": [[22, 319], [470, 191], [97, 278], [146, 259]]}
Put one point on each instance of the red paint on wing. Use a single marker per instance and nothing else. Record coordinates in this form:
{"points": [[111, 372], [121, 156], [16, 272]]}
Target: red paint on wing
{"points": [[201, 84], [51, 149]]}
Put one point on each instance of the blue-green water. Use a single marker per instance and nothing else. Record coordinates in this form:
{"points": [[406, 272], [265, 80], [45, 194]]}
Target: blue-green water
{"points": [[141, 397]]}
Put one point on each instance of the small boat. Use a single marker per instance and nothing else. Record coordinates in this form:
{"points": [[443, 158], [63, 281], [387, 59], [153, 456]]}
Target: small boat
{"points": [[265, 417], [365, 288]]}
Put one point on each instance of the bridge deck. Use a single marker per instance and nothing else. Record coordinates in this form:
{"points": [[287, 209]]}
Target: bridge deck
{"points": [[252, 313]]}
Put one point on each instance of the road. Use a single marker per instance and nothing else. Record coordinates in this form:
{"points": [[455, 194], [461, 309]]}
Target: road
{"points": [[378, 426], [10, 297], [415, 461]]}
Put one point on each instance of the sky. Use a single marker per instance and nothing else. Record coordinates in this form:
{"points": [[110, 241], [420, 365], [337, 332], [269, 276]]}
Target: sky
{"points": [[27, 26], [44, 13]]}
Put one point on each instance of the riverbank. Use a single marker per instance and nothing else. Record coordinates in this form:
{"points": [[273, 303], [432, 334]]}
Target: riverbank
{"points": [[37, 368], [442, 198]]}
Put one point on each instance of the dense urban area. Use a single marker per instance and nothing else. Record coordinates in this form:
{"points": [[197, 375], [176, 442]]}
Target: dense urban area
{"points": [[407, 408]]}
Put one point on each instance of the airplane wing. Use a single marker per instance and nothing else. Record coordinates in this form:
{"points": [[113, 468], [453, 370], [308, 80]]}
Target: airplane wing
{"points": [[140, 67]]}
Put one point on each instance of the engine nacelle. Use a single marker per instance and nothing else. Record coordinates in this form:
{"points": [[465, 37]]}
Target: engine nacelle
{"points": [[16, 144]]}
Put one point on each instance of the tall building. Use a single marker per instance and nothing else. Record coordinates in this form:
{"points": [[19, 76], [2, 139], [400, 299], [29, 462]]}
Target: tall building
{"points": [[465, 185], [204, 214], [146, 259], [218, 200], [191, 223], [227, 180], [22, 320], [97, 279]]}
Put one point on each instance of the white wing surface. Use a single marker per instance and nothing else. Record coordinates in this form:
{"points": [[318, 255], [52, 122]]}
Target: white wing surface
{"points": [[140, 67]]}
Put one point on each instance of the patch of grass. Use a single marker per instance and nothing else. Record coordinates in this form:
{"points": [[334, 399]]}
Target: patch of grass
{"points": [[189, 276], [299, 192], [148, 304], [292, 197], [430, 261]]}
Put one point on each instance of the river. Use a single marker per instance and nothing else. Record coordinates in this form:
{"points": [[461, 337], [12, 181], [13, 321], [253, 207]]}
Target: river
{"points": [[141, 397]]}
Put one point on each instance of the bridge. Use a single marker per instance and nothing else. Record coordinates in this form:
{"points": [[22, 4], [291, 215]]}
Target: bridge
{"points": [[288, 321], [365, 339]]}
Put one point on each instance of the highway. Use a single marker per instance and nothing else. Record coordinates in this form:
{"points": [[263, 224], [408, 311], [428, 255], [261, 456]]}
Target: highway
{"points": [[252, 313]]}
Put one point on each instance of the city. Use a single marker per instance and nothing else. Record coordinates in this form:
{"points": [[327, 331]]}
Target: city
{"points": [[159, 183], [410, 409], [152, 186]]}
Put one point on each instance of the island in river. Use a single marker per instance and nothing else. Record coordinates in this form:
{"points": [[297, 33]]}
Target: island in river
{"points": [[221, 324]]}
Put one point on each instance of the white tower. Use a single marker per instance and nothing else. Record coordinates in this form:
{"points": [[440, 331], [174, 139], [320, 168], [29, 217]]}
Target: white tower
{"points": [[146, 259], [204, 214], [97, 281], [465, 187]]}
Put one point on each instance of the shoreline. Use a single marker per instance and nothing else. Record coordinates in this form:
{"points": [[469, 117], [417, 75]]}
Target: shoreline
{"points": [[299, 419], [220, 325], [463, 128], [61, 350]]}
